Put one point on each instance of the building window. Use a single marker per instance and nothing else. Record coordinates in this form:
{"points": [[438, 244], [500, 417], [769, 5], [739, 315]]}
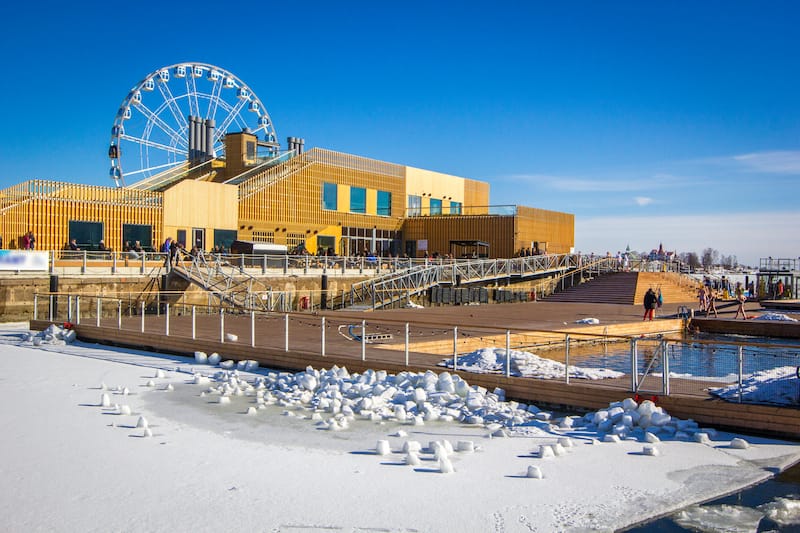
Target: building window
{"points": [[329, 196], [436, 206], [384, 203], [137, 232], [455, 208], [414, 205], [223, 238], [86, 234], [358, 200]]}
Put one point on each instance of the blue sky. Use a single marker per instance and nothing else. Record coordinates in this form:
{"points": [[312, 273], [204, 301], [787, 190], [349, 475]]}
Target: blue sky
{"points": [[673, 122]]}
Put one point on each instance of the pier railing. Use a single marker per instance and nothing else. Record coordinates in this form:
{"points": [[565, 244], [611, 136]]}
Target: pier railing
{"points": [[648, 365]]}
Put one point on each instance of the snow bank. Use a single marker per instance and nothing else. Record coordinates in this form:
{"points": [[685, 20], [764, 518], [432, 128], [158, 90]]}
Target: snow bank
{"points": [[776, 316], [526, 364], [778, 386]]}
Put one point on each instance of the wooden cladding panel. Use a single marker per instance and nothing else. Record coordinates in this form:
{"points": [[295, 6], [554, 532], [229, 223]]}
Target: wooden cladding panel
{"points": [[47, 207], [440, 230], [555, 228], [295, 202]]}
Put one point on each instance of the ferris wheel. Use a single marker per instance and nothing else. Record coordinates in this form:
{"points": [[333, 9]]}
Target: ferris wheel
{"points": [[155, 125]]}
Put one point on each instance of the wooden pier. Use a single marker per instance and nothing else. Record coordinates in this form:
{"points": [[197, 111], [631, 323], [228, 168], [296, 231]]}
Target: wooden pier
{"points": [[263, 339]]}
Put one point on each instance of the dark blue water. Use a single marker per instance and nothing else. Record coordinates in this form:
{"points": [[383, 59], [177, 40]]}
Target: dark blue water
{"points": [[717, 360]]}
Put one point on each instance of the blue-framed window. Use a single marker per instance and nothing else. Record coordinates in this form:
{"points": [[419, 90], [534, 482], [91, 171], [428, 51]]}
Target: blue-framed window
{"points": [[358, 200], [455, 208], [329, 196], [414, 205], [384, 203], [436, 206]]}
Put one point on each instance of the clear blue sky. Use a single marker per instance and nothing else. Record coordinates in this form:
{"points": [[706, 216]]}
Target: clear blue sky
{"points": [[673, 122]]}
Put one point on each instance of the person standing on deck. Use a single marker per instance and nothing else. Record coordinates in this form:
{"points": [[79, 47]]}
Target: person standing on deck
{"points": [[650, 304], [741, 299], [710, 305]]}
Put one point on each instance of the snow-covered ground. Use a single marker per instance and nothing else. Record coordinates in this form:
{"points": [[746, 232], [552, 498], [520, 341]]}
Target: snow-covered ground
{"points": [[102, 439]]}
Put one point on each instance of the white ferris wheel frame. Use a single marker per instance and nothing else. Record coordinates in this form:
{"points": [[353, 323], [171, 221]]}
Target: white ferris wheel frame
{"points": [[163, 141]]}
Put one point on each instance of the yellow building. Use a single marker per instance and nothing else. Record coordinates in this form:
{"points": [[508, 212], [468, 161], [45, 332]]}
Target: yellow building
{"points": [[321, 200]]}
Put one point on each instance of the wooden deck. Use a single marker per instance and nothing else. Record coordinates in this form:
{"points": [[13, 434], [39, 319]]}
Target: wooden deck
{"points": [[755, 328], [434, 328]]}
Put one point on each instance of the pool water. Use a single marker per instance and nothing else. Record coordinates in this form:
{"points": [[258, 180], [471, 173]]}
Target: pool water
{"points": [[699, 359]]}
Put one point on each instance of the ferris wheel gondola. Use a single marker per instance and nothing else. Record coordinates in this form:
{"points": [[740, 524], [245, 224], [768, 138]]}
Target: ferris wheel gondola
{"points": [[151, 129]]}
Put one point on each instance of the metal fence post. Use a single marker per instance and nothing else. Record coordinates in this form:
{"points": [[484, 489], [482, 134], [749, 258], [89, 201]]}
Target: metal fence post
{"points": [[143, 312], [253, 328], [508, 353], [78, 309], [322, 332], [455, 348], [166, 321], [83, 263], [740, 357], [50, 311], [664, 368], [97, 307], [566, 358], [69, 308], [363, 340], [286, 332], [35, 306], [221, 324], [634, 366], [119, 314], [194, 322], [406, 344]]}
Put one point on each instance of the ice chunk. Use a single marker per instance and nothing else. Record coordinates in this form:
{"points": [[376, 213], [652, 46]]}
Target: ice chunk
{"points": [[534, 472], [446, 466], [650, 449], [465, 446], [739, 444], [545, 451], [382, 447]]}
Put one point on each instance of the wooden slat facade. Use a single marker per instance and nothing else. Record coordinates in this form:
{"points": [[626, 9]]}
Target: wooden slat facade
{"points": [[47, 207], [284, 204]]}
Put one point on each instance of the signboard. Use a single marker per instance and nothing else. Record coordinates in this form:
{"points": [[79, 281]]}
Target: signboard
{"points": [[422, 245], [16, 260]]}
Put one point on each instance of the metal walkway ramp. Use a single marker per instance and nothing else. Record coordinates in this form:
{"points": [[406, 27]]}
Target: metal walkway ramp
{"points": [[401, 285], [228, 283]]}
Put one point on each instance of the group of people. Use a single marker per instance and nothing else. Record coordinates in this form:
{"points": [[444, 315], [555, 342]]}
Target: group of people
{"points": [[707, 297]]}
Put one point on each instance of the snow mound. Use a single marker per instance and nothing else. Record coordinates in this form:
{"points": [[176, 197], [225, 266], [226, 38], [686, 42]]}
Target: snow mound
{"points": [[52, 335], [777, 386], [588, 321], [493, 360], [783, 511], [776, 316], [408, 397]]}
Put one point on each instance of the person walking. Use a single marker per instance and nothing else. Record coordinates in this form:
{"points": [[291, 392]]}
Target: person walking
{"points": [[741, 299], [702, 296], [711, 306], [650, 304]]}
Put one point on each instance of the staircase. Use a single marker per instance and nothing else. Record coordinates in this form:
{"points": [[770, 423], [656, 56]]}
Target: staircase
{"points": [[628, 288]]}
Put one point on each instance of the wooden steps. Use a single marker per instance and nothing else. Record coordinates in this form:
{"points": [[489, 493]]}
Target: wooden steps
{"points": [[629, 288]]}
